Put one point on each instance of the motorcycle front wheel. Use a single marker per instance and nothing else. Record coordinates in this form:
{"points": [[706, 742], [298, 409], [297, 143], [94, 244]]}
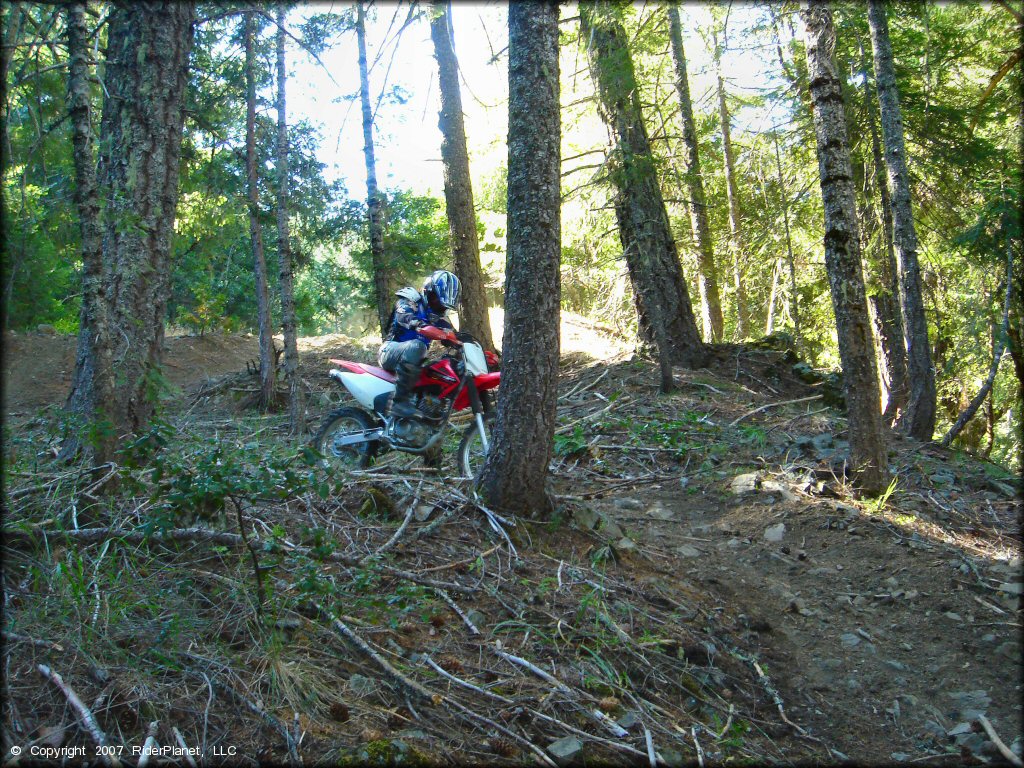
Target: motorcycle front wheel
{"points": [[338, 424], [471, 450]]}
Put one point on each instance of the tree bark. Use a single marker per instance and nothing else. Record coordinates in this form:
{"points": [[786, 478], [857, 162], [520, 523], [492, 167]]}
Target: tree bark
{"points": [[373, 202], [794, 299], [146, 73], [919, 418], [663, 304], [92, 383], [268, 363], [732, 192], [458, 187], [296, 398], [842, 255], [707, 274], [886, 304], [517, 466]]}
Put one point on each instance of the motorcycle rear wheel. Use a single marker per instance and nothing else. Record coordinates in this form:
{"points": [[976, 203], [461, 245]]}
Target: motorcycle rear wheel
{"points": [[471, 449], [341, 422]]}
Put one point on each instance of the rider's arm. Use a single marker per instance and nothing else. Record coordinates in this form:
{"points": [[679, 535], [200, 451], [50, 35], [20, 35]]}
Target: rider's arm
{"points": [[440, 321], [406, 315]]}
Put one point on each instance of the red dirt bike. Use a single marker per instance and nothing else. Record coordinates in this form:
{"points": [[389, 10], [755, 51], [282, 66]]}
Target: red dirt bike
{"points": [[461, 379]]}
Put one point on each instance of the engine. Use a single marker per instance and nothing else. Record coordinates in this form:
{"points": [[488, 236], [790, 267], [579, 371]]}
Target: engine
{"points": [[432, 407], [412, 432]]}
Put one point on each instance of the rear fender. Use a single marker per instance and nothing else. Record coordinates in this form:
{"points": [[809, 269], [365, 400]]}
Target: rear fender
{"points": [[363, 387]]}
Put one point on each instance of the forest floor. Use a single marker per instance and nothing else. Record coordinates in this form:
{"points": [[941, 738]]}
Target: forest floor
{"points": [[710, 590]]}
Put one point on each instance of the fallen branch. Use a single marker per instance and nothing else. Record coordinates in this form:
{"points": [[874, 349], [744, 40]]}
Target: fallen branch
{"points": [[465, 683], [9, 636], [184, 747], [774, 405], [150, 746], [380, 661], [1003, 749], [455, 607], [85, 715], [535, 669], [177, 535], [613, 404], [397, 535]]}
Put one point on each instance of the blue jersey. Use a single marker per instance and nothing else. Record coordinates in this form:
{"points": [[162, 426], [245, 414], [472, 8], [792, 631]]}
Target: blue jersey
{"points": [[409, 316]]}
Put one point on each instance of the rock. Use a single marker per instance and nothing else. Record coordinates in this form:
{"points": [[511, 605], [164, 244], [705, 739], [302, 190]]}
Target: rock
{"points": [[893, 664], [989, 638], [942, 478], [775, 532], [658, 511], [627, 503], [935, 730], [423, 512], [478, 618], [1011, 587], [46, 329], [414, 733], [683, 482], [625, 545], [565, 750], [629, 720], [771, 486], [745, 483], [899, 757], [361, 686], [958, 730], [1009, 650], [586, 518], [687, 551], [952, 616], [850, 640]]}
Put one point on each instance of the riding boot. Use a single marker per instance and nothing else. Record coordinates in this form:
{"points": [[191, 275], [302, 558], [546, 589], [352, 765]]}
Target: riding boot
{"points": [[401, 405]]}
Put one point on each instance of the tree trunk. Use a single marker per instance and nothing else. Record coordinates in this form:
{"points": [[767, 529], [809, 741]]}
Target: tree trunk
{"points": [[458, 188], [842, 255], [665, 313], [92, 383], [886, 304], [296, 399], [373, 203], [516, 470], [146, 72], [268, 363], [919, 418], [794, 302], [732, 192], [997, 355], [707, 276]]}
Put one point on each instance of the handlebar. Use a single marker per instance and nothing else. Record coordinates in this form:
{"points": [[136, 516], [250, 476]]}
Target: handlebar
{"points": [[434, 333]]}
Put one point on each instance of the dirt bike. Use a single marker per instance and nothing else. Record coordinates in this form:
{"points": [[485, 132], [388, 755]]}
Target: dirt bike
{"points": [[461, 379]]}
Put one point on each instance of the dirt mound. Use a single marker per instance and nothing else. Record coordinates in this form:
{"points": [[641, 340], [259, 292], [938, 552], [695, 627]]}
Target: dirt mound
{"points": [[38, 367]]}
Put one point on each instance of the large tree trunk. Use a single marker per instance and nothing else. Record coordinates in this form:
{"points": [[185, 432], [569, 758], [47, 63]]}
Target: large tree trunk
{"points": [[842, 255], [732, 192], [268, 363], [919, 418], [707, 274], [373, 203], [517, 466], [666, 316], [92, 383], [146, 72], [458, 188], [296, 399]]}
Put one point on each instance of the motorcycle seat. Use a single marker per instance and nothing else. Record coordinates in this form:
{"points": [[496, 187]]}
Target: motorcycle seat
{"points": [[373, 370]]}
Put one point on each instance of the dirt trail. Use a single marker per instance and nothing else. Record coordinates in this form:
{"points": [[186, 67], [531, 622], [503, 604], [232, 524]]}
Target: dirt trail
{"points": [[886, 627]]}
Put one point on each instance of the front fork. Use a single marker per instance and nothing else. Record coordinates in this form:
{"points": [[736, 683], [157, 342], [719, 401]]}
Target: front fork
{"points": [[478, 412]]}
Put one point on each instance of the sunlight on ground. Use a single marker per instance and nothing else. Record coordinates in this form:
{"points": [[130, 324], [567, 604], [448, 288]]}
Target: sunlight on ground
{"points": [[577, 336]]}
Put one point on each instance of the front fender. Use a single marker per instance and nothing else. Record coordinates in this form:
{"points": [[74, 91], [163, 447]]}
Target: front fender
{"points": [[485, 381]]}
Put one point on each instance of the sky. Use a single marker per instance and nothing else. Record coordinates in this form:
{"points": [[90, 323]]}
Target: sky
{"points": [[407, 139]]}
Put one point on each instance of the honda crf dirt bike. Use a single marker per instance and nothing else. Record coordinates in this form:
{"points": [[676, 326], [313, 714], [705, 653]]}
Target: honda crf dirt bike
{"points": [[461, 379]]}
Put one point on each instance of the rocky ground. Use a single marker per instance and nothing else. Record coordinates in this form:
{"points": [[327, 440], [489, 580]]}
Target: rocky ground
{"points": [[710, 587]]}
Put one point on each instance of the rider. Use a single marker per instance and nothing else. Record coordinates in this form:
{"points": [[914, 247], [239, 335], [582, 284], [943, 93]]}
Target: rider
{"points": [[404, 348]]}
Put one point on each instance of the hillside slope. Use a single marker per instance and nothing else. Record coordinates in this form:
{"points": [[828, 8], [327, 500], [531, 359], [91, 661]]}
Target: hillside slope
{"points": [[709, 590]]}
